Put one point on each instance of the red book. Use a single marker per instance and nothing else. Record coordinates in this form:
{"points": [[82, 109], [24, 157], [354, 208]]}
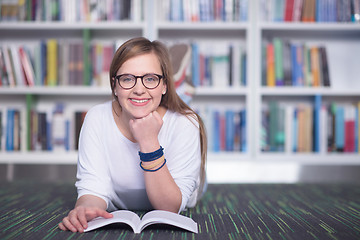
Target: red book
{"points": [[289, 6], [27, 67], [349, 136], [222, 132], [350, 113]]}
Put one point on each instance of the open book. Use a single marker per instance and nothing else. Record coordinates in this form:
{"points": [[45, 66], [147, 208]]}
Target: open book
{"points": [[137, 224]]}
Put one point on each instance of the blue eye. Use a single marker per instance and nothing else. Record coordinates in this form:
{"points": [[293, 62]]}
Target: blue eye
{"points": [[126, 78], [150, 79]]}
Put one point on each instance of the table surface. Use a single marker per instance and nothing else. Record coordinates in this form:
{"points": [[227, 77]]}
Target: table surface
{"points": [[227, 211]]}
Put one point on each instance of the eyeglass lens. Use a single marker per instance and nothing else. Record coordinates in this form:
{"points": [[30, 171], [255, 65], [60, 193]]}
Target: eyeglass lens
{"points": [[128, 81]]}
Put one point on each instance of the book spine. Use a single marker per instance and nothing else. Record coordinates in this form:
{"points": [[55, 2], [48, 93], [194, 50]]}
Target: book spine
{"points": [[339, 128], [317, 122], [279, 66], [270, 76], [52, 55]]}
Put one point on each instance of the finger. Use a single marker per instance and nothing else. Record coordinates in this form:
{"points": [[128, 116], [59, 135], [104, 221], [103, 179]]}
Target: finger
{"points": [[74, 220], [62, 227], [82, 219], [68, 226], [104, 214]]}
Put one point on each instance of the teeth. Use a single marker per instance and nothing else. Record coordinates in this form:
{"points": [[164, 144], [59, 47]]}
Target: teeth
{"points": [[139, 101]]}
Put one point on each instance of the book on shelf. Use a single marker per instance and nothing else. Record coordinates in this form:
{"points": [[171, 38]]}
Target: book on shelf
{"points": [[72, 11], [50, 127], [139, 224], [270, 65], [51, 57], [55, 62], [12, 137], [288, 14], [218, 65], [311, 10], [295, 64], [339, 128], [203, 10], [226, 129], [319, 127]]}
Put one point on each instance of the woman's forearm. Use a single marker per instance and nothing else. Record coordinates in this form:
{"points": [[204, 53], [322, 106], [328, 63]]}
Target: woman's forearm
{"points": [[91, 201], [162, 190]]}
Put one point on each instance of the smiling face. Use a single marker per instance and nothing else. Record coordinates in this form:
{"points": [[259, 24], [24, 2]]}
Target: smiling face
{"points": [[139, 101]]}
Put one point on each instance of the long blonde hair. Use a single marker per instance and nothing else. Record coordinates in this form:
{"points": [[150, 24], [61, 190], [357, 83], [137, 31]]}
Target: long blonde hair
{"points": [[171, 100]]}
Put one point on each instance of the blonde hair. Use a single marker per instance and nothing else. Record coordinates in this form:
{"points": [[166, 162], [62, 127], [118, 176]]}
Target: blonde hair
{"points": [[171, 100]]}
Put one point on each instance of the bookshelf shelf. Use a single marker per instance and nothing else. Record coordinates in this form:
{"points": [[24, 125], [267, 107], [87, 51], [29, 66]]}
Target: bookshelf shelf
{"points": [[307, 91], [229, 91], [308, 27], [114, 25], [201, 26], [311, 158]]}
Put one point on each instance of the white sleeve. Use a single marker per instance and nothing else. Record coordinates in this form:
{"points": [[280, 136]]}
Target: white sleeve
{"points": [[92, 171], [183, 156]]}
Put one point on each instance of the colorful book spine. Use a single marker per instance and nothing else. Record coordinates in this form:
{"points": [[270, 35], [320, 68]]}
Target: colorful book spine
{"points": [[51, 77], [340, 128], [278, 57], [270, 63], [317, 122]]}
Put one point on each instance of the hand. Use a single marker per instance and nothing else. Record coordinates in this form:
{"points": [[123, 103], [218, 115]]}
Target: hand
{"points": [[78, 218], [146, 130]]}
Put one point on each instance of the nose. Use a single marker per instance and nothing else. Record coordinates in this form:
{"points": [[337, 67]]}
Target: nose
{"points": [[139, 88]]}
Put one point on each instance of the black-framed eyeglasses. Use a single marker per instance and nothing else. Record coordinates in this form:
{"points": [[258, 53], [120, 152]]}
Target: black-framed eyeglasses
{"points": [[128, 81]]}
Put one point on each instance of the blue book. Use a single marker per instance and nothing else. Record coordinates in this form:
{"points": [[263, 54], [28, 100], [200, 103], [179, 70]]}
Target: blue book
{"points": [[195, 64], [43, 60], [229, 130], [48, 136], [279, 8], [295, 131], [216, 131], [293, 50], [176, 11], [243, 131], [299, 65], [244, 9], [319, 11], [10, 130], [340, 128], [317, 109], [67, 135]]}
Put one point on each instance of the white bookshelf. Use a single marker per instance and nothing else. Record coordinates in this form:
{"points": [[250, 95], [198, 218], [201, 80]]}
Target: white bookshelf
{"points": [[341, 38], [342, 41]]}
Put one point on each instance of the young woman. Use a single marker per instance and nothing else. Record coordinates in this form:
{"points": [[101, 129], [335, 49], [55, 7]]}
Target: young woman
{"points": [[146, 149]]}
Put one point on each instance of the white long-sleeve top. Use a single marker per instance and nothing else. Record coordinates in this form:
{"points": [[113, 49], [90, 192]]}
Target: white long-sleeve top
{"points": [[108, 162]]}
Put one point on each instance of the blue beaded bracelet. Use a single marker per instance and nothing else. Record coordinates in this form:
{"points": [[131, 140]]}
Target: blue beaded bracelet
{"points": [[151, 156], [153, 170]]}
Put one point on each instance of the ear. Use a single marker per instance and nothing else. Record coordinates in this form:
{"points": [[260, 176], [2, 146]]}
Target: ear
{"points": [[164, 89]]}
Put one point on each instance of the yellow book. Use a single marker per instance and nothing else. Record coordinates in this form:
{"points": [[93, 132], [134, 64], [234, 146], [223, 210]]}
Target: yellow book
{"points": [[51, 78], [315, 66], [270, 62]]}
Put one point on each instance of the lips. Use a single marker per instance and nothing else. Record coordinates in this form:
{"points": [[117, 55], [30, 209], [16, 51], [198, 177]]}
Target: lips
{"points": [[139, 102]]}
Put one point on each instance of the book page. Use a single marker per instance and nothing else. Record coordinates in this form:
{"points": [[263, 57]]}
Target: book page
{"points": [[121, 216], [165, 217]]}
